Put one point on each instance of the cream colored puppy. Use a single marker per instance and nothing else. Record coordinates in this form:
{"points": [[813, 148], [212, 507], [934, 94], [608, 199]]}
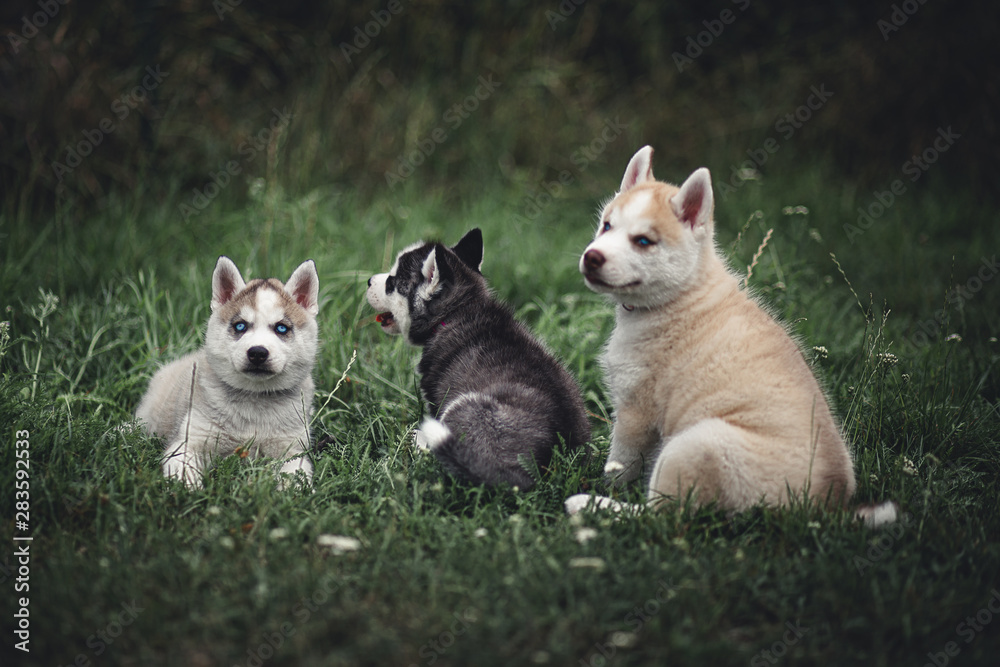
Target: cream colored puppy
{"points": [[711, 395]]}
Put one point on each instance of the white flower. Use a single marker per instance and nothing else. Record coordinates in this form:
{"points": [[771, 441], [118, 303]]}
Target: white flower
{"points": [[624, 639], [821, 351], [953, 337], [541, 657], [887, 359], [588, 561], [584, 535], [277, 534], [909, 467], [481, 532], [339, 544]]}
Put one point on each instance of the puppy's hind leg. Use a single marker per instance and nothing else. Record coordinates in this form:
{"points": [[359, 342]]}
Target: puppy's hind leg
{"points": [[709, 458], [487, 441]]}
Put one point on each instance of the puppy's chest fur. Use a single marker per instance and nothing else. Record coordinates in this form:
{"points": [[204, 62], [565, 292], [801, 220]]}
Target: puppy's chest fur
{"points": [[226, 418], [266, 418], [626, 362]]}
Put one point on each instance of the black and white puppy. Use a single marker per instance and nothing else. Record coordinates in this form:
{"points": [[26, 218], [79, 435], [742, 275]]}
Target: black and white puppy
{"points": [[499, 401]]}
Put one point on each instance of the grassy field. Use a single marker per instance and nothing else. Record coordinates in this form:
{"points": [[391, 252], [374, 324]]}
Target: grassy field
{"points": [[127, 568]]}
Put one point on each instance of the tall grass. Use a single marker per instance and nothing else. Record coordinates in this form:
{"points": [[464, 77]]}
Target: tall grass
{"points": [[443, 573]]}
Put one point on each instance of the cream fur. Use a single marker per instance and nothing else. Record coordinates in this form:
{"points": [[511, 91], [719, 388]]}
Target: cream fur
{"points": [[711, 395]]}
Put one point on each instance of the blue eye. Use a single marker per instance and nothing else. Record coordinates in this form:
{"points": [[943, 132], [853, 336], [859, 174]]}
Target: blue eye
{"points": [[643, 241], [240, 327], [281, 329], [606, 226]]}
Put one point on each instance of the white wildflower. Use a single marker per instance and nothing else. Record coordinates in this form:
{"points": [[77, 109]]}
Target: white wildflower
{"points": [[887, 359], [339, 544], [588, 562], [624, 639]]}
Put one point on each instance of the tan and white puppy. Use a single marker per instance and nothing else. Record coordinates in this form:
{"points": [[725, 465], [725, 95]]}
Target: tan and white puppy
{"points": [[711, 395], [250, 386]]}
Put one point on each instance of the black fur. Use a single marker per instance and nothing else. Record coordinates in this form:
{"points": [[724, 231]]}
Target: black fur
{"points": [[507, 402]]}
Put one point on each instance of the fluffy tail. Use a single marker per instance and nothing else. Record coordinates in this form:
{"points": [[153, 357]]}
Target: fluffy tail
{"points": [[877, 516], [480, 451]]}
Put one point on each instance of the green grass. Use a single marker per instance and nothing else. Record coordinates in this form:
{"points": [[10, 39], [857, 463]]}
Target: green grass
{"points": [[448, 574]]}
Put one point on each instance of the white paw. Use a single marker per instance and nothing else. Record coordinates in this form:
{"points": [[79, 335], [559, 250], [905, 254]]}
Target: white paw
{"points": [[581, 501], [289, 474], [175, 466], [619, 473]]}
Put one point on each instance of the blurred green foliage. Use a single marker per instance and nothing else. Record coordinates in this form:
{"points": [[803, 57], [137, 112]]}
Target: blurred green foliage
{"points": [[360, 101]]}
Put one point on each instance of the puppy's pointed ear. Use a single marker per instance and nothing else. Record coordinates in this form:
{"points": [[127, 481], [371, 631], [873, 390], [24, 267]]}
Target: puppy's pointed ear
{"points": [[433, 272], [226, 282], [303, 286], [693, 204], [639, 169], [470, 249]]}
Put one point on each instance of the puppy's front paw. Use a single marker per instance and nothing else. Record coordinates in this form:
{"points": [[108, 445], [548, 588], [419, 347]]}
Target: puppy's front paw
{"points": [[176, 467], [618, 473], [297, 471]]}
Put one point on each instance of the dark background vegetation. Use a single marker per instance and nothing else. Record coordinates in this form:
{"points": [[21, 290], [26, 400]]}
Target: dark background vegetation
{"points": [[560, 79], [103, 278]]}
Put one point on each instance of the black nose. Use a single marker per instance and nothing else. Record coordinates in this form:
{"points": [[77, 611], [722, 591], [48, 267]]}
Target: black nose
{"points": [[257, 355], [370, 281], [593, 260]]}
